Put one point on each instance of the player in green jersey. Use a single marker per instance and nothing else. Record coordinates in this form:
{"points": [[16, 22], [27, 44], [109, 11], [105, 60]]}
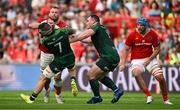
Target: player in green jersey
{"points": [[108, 61], [57, 42]]}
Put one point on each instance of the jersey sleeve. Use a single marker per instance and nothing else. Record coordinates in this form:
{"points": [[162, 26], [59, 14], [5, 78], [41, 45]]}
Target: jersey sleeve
{"points": [[61, 24], [95, 27], [69, 31], [41, 20], [129, 40]]}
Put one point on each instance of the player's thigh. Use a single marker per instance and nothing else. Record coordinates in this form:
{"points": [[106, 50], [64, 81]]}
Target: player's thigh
{"points": [[137, 66], [58, 64], [152, 65], [101, 68], [95, 72], [106, 65], [48, 73], [57, 76]]}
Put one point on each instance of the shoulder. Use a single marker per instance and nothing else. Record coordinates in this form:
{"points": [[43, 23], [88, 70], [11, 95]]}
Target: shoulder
{"points": [[41, 20], [132, 33], [153, 32], [61, 24], [97, 27], [65, 30]]}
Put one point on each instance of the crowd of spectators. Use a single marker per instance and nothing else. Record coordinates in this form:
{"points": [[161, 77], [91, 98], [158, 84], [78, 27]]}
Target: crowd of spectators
{"points": [[19, 44]]}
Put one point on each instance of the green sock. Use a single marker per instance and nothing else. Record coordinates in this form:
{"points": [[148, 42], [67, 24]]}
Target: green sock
{"points": [[95, 87], [109, 83], [33, 96], [73, 78]]}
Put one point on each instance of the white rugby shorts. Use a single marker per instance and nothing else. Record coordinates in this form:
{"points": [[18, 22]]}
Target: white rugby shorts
{"points": [[45, 60], [138, 63]]}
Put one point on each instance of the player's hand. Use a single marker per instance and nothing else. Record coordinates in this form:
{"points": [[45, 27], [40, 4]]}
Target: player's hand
{"points": [[121, 67], [146, 63]]}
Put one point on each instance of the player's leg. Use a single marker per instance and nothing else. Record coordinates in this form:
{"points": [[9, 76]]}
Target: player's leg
{"points": [[46, 59], [58, 88], [158, 74], [72, 72], [105, 67], [137, 69], [92, 73], [47, 74], [144, 88]]}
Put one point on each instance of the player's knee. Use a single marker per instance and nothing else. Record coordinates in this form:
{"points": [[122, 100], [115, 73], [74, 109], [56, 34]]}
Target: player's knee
{"points": [[43, 78], [90, 75], [58, 83], [160, 78], [48, 73], [137, 69], [136, 72], [157, 72], [57, 76], [72, 69]]}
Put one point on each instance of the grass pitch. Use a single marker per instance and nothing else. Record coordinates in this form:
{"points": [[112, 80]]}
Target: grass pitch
{"points": [[10, 100]]}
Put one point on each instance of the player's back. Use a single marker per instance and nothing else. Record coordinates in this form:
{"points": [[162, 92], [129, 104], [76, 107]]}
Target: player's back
{"points": [[103, 43], [58, 42]]}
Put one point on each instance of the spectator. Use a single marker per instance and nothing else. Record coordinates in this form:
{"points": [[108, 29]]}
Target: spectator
{"points": [[175, 55], [154, 9]]}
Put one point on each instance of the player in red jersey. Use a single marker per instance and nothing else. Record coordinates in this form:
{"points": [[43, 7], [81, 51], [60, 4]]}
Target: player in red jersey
{"points": [[46, 57], [145, 46]]}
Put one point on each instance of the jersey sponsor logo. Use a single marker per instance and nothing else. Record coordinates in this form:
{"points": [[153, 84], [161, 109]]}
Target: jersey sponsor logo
{"points": [[106, 68], [138, 44], [55, 40], [150, 37]]}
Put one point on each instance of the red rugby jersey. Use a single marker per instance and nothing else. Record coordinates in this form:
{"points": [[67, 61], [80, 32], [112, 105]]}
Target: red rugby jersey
{"points": [[142, 46]]}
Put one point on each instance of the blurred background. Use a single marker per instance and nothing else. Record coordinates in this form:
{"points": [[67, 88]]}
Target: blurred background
{"points": [[19, 52]]}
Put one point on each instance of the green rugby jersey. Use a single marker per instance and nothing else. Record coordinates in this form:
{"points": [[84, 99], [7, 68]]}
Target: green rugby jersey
{"points": [[103, 42], [58, 42]]}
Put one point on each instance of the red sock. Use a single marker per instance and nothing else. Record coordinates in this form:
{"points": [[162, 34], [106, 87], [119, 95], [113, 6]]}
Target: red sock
{"points": [[165, 96], [57, 90], [146, 91], [46, 86]]}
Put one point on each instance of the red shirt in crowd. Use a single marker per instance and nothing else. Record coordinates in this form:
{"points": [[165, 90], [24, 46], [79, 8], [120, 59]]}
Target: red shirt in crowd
{"points": [[141, 46]]}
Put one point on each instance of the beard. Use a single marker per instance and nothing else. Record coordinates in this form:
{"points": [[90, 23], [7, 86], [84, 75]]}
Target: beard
{"points": [[142, 30], [54, 18]]}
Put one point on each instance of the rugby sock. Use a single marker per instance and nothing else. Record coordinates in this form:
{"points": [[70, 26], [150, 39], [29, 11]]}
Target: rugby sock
{"points": [[109, 83], [146, 91], [95, 87], [33, 96], [165, 96], [57, 90], [73, 78], [46, 86]]}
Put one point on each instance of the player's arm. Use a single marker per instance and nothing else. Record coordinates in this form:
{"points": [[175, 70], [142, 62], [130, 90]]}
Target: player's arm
{"points": [[154, 54], [83, 35], [124, 57], [34, 25], [87, 40]]}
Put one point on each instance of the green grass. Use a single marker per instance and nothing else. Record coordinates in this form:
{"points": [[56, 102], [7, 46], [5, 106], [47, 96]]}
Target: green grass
{"points": [[10, 100]]}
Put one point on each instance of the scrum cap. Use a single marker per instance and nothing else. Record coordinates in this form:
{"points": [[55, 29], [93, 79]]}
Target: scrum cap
{"points": [[143, 21], [45, 29]]}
